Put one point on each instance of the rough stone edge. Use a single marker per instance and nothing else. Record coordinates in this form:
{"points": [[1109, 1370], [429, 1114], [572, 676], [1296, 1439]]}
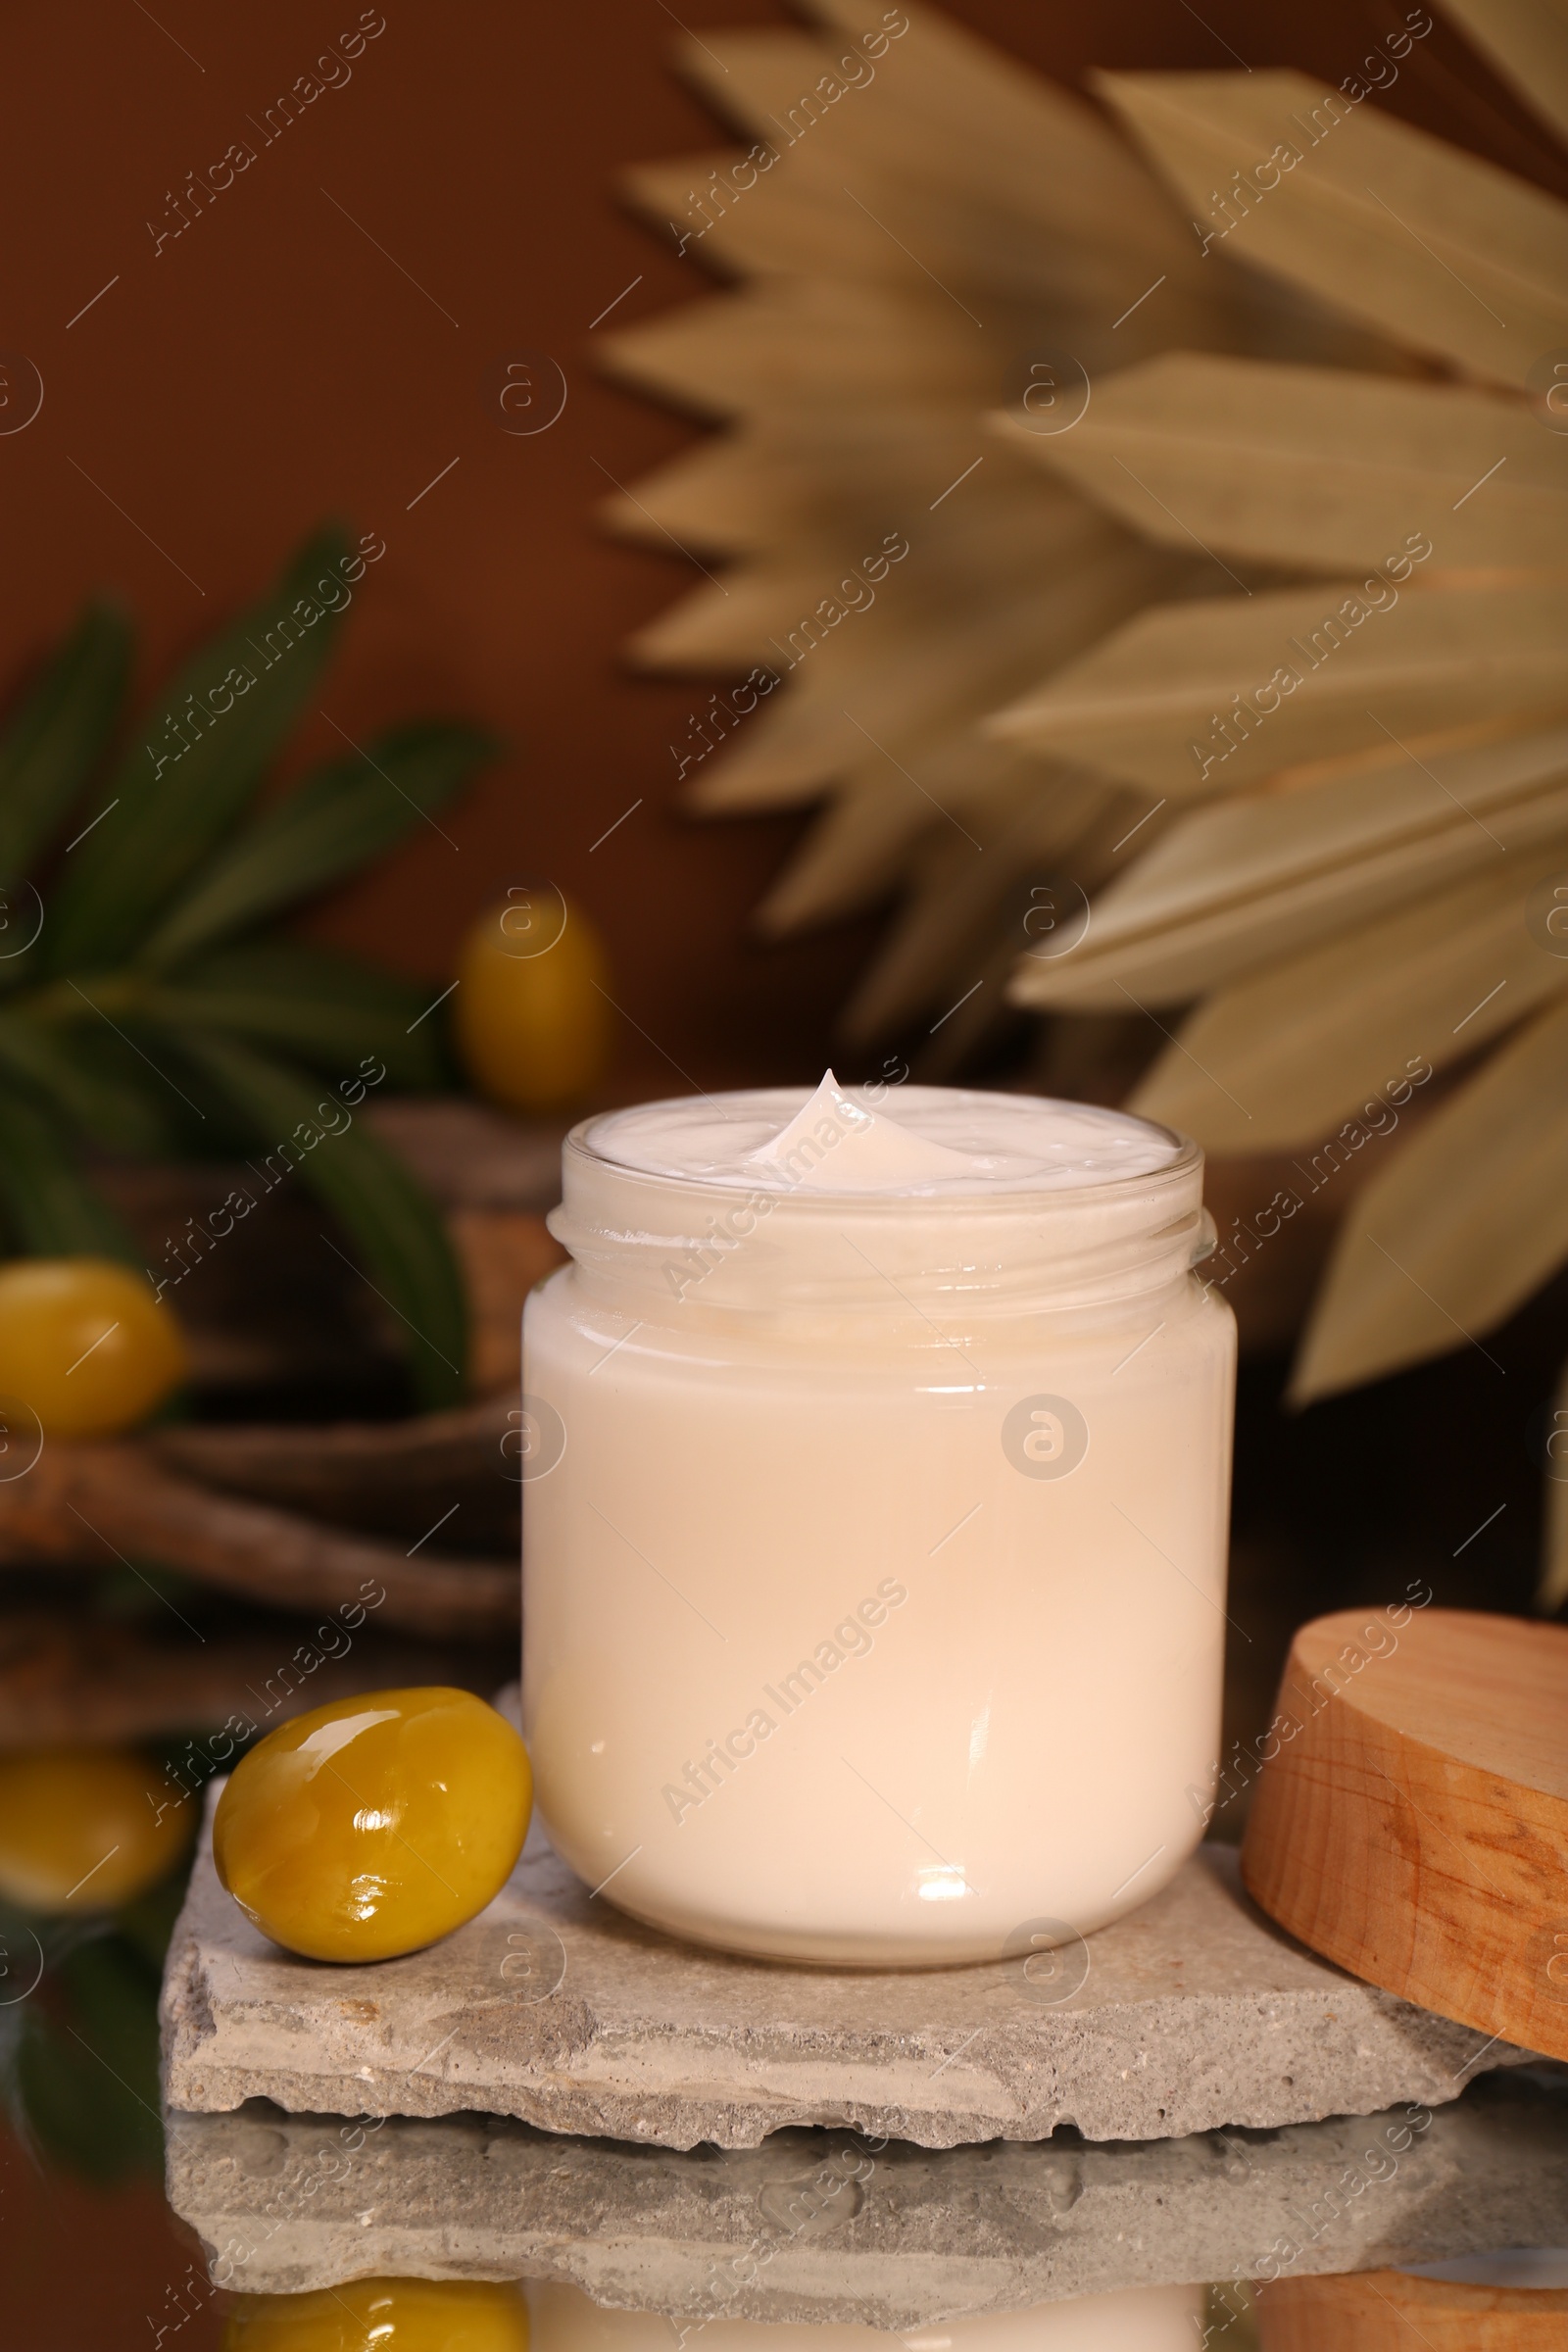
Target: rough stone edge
{"points": [[664, 2117], [684, 2120]]}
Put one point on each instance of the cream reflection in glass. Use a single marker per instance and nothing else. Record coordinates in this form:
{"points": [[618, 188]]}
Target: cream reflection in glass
{"points": [[874, 1592], [1140, 2318]]}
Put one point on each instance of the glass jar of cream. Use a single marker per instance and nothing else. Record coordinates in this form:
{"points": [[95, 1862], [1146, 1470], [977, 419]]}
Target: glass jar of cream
{"points": [[877, 1472]]}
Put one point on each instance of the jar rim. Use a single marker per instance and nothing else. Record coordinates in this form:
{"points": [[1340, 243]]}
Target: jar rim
{"points": [[708, 1245], [1186, 1157]]}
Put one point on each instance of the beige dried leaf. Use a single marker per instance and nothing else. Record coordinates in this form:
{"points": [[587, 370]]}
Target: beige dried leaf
{"points": [[690, 203], [900, 789], [1458, 1231], [739, 620], [1206, 697], [915, 198], [1280, 464], [861, 844], [1032, 821], [1245, 882], [1527, 41], [1041, 146], [766, 485], [1451, 254], [913, 244], [796, 341], [1554, 1588], [1276, 1061], [921, 244], [988, 546], [926, 675]]}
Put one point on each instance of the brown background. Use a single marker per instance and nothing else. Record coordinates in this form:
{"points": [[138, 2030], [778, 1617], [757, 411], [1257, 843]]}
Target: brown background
{"points": [[273, 365]]}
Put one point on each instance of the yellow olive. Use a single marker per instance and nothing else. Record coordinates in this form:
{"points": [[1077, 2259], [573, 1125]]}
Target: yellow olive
{"points": [[384, 2315], [86, 1829], [532, 1020], [84, 1342], [376, 1825]]}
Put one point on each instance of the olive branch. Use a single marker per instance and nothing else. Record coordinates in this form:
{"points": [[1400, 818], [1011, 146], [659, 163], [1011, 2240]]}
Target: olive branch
{"points": [[151, 1008]]}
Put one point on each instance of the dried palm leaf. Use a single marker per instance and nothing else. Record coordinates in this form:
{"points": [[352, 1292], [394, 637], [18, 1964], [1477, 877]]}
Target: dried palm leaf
{"points": [[1293, 1044], [1267, 462], [865, 838], [1201, 698], [919, 246], [980, 210], [1451, 255], [1000, 123], [1554, 1590], [1468, 1220], [1276, 1064], [962, 898], [764, 483], [949, 240], [777, 610], [891, 815], [796, 342], [1527, 42], [1241, 883], [903, 682]]}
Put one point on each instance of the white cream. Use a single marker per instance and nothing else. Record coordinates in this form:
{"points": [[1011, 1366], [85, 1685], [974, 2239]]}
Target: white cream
{"points": [[875, 1535], [936, 1140]]}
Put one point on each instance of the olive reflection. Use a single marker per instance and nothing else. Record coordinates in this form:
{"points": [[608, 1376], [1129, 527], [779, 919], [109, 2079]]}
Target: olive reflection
{"points": [[384, 2315], [86, 1829]]}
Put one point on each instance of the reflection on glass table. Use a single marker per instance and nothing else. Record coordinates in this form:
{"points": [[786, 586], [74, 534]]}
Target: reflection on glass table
{"points": [[1519, 2299], [390, 2315], [410, 2315], [961, 2250], [470, 2233]]}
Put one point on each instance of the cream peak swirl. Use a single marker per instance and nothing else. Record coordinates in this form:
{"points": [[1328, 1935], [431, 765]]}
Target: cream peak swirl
{"points": [[836, 1145]]}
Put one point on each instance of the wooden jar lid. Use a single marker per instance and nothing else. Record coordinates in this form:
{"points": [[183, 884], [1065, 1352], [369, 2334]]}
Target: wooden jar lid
{"points": [[1410, 1820], [1389, 2310]]}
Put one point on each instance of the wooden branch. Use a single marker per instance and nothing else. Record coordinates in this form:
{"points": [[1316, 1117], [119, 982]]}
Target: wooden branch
{"points": [[80, 1503], [389, 1478], [503, 1252], [331, 1470], [470, 1155], [69, 1680]]}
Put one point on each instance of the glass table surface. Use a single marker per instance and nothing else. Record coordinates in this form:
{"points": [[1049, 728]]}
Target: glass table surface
{"points": [[263, 2231]]}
